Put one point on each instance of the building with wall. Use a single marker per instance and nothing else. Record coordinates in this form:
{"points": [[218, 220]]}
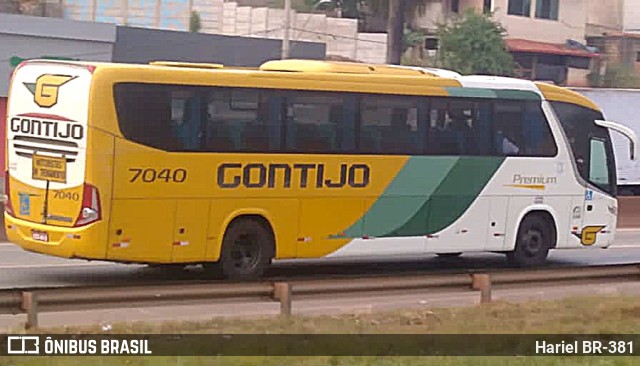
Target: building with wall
{"points": [[28, 37], [613, 27], [340, 35], [24, 37], [550, 21], [546, 37]]}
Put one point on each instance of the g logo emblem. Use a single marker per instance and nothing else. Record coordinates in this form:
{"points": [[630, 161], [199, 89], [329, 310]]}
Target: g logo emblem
{"points": [[589, 234], [45, 90]]}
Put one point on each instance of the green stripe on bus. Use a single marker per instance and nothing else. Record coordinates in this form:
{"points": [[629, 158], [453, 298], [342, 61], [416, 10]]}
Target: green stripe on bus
{"points": [[471, 92], [492, 93], [426, 196], [455, 194], [404, 196], [517, 94]]}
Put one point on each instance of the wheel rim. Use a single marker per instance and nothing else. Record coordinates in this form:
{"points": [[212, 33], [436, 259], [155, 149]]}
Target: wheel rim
{"points": [[533, 242], [245, 253]]}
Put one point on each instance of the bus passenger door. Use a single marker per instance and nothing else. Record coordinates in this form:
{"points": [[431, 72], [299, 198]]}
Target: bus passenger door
{"points": [[599, 209], [497, 223], [190, 231]]}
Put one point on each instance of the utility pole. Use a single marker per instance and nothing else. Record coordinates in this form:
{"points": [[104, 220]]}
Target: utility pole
{"points": [[287, 26], [395, 31]]}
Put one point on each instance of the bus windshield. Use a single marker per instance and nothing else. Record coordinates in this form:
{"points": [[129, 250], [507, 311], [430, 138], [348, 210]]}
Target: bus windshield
{"points": [[590, 144]]}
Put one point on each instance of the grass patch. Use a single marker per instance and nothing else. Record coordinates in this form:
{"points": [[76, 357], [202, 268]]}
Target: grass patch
{"points": [[573, 315]]}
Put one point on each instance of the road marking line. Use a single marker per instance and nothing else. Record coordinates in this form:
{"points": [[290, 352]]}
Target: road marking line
{"points": [[57, 265], [628, 229]]}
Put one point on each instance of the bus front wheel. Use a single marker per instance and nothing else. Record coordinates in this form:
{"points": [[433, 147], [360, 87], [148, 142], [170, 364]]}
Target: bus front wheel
{"points": [[535, 238], [247, 249]]}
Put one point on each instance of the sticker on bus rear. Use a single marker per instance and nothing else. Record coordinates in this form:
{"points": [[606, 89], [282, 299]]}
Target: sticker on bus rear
{"points": [[25, 204]]}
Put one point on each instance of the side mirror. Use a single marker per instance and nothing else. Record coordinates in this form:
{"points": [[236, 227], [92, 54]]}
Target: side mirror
{"points": [[626, 132]]}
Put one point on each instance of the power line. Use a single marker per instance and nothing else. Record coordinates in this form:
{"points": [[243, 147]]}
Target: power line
{"points": [[334, 36], [339, 36]]}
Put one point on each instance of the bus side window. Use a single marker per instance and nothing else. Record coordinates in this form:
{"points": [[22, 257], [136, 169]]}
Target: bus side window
{"points": [[389, 125], [435, 140], [312, 122], [460, 120], [235, 121], [539, 140], [482, 129], [508, 122]]}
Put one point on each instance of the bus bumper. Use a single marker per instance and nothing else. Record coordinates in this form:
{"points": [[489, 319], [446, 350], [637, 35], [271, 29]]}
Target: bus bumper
{"points": [[66, 242]]}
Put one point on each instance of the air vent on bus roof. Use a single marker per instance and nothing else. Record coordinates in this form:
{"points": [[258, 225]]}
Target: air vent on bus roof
{"points": [[319, 66], [192, 65]]}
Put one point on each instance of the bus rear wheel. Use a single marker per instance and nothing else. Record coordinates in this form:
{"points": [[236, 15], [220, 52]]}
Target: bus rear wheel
{"points": [[534, 240], [247, 249]]}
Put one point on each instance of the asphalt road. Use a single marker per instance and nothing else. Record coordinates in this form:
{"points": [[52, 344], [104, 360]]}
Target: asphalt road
{"points": [[23, 269]]}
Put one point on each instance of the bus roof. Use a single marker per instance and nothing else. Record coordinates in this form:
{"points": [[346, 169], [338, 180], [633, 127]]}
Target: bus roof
{"points": [[450, 82], [559, 94]]}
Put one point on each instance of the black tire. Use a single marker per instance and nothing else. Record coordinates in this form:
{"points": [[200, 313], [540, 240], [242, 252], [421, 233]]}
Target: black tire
{"points": [[534, 240], [449, 255], [247, 250]]}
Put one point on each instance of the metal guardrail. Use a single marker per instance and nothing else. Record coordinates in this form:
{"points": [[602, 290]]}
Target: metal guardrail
{"points": [[34, 301]]}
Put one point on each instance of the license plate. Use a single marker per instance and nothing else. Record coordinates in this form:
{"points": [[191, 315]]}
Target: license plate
{"points": [[49, 168], [40, 235]]}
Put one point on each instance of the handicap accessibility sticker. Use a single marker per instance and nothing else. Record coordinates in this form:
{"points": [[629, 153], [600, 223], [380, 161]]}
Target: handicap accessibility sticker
{"points": [[588, 195], [25, 204]]}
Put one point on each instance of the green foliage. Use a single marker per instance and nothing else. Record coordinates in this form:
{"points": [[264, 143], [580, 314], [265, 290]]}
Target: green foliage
{"points": [[194, 22], [580, 315], [411, 59], [412, 38], [474, 44], [615, 76]]}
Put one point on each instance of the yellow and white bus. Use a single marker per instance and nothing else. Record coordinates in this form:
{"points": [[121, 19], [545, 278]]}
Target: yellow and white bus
{"points": [[173, 163]]}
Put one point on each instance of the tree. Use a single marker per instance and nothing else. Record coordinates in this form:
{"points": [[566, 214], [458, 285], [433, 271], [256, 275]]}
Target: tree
{"points": [[194, 22], [474, 44]]}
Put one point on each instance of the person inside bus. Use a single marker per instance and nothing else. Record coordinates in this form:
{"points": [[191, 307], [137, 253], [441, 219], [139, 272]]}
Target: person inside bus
{"points": [[460, 129], [188, 126], [505, 145], [402, 136], [437, 131]]}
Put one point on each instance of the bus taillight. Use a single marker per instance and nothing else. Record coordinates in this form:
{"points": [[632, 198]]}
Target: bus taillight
{"points": [[90, 210], [8, 208]]}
